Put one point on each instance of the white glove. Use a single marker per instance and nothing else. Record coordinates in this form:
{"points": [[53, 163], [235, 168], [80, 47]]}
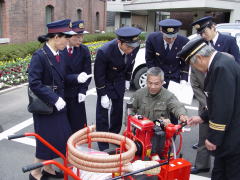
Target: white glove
{"points": [[127, 85], [60, 104], [81, 97], [83, 77], [105, 102], [183, 82]]}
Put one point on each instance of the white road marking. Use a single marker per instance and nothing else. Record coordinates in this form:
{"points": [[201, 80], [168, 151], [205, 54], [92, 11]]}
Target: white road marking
{"points": [[16, 128], [27, 141], [28, 122]]}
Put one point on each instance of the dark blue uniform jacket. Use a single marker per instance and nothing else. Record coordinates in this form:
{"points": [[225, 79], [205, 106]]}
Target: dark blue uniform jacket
{"points": [[222, 86], [174, 68], [110, 71], [42, 74], [226, 43], [78, 62]]}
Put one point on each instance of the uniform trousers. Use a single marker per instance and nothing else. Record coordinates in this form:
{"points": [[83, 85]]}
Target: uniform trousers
{"points": [[203, 159], [76, 114], [105, 124], [227, 167]]}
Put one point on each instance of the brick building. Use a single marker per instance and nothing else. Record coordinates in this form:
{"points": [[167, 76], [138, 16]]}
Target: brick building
{"points": [[25, 20]]}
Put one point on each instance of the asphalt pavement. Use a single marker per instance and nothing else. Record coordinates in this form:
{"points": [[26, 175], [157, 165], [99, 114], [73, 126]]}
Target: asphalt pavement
{"points": [[15, 119]]}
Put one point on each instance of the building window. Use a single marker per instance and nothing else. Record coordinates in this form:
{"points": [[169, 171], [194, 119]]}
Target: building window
{"points": [[125, 19], [111, 18], [49, 14], [79, 14], [97, 21]]}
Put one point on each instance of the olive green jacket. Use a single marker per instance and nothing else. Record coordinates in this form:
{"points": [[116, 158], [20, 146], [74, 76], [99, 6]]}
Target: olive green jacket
{"points": [[155, 107]]}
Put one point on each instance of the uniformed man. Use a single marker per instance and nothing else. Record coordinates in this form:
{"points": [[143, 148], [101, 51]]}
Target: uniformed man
{"points": [[112, 73], [221, 88], [156, 102], [78, 71], [161, 50], [223, 43]]}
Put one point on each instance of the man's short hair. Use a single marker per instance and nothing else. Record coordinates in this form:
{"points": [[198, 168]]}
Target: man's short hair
{"points": [[156, 71]]}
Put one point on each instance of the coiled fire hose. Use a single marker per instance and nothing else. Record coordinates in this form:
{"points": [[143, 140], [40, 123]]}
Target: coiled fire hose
{"points": [[103, 163]]}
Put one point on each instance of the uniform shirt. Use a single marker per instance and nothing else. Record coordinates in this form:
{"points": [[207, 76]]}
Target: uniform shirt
{"points": [[71, 49], [155, 107], [55, 53], [214, 40], [210, 61], [170, 45]]}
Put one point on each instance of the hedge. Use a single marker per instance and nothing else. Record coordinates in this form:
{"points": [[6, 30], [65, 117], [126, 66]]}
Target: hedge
{"points": [[14, 51]]}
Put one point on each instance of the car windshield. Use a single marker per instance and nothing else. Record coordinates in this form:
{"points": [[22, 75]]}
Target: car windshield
{"points": [[228, 26]]}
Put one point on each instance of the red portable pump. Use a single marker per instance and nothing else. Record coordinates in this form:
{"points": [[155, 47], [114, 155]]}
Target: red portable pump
{"points": [[154, 140], [140, 129]]}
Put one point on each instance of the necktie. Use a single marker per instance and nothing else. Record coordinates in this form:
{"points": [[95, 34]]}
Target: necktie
{"points": [[167, 49], [69, 51], [125, 58], [57, 58]]}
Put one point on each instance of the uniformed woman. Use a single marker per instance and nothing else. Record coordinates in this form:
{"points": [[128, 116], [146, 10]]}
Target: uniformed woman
{"points": [[78, 72], [54, 127]]}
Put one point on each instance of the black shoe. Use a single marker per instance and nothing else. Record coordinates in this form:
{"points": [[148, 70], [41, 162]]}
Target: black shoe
{"points": [[195, 146], [56, 175], [31, 177], [195, 170]]}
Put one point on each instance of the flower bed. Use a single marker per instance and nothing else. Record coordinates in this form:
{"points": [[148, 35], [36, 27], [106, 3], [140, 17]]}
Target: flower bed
{"points": [[13, 72]]}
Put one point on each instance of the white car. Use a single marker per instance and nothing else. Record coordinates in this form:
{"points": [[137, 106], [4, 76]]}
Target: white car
{"points": [[139, 75]]}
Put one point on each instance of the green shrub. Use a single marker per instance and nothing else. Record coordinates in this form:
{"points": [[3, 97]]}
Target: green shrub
{"points": [[99, 37], [14, 51], [105, 37]]}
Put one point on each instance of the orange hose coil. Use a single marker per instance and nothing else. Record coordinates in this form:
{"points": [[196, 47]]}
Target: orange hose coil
{"points": [[101, 164]]}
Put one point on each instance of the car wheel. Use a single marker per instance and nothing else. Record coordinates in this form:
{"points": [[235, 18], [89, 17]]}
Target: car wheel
{"points": [[140, 78]]}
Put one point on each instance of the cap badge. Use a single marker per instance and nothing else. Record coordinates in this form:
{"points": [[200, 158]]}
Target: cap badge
{"points": [[197, 26], [70, 25], [170, 30], [81, 25]]}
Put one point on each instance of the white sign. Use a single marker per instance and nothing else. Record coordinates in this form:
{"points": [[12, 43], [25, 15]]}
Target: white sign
{"points": [[183, 92]]}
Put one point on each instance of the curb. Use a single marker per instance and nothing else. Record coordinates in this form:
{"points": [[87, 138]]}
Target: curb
{"points": [[12, 88]]}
